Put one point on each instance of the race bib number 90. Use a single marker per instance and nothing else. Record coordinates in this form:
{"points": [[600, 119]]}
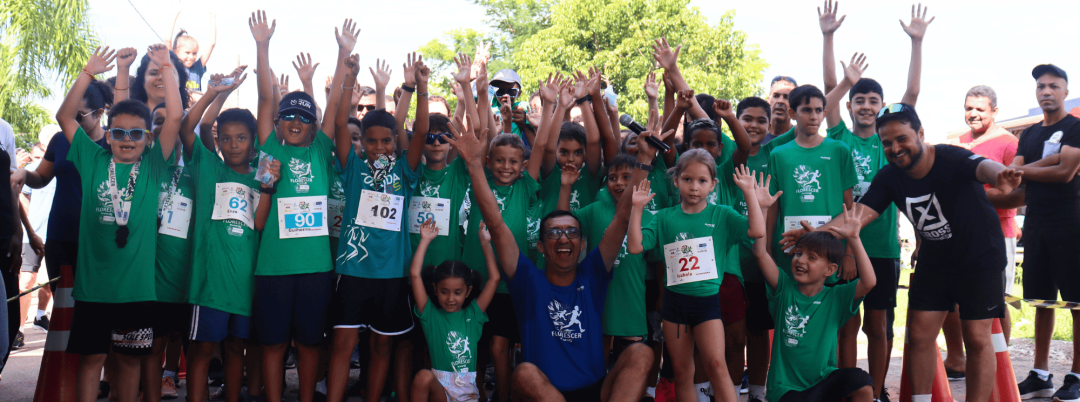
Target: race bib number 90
{"points": [[302, 217], [423, 208], [690, 261], [380, 210]]}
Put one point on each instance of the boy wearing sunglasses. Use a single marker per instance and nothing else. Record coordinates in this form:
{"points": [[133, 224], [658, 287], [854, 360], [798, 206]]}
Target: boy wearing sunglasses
{"points": [[114, 291]]}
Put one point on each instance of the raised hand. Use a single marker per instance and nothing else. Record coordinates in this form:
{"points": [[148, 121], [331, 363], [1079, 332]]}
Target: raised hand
{"points": [[274, 169], [468, 146], [854, 71], [549, 90], [744, 179], [761, 188], [723, 109], [483, 54], [428, 230], [409, 69], [593, 84], [159, 54], [261, 30], [685, 99], [283, 84], [101, 61], [827, 19], [352, 65], [581, 87], [124, 57], [570, 174], [304, 69], [664, 55], [642, 194], [652, 88], [566, 95], [423, 72], [381, 73], [346, 37], [917, 28], [485, 235], [849, 227], [464, 65]]}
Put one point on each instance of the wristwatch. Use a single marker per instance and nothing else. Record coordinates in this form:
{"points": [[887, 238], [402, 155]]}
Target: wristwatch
{"points": [[642, 166]]}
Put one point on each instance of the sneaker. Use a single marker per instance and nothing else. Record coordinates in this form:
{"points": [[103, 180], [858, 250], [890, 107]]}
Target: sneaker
{"points": [[18, 342], [744, 388], [1035, 387], [1069, 391], [168, 388], [885, 397], [291, 359], [42, 323], [955, 375], [219, 394]]}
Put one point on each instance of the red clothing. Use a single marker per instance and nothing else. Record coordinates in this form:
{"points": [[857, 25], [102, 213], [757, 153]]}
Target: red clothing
{"points": [[1000, 146]]}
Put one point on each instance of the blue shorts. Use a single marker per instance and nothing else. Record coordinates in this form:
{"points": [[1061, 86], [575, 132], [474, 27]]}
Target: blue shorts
{"points": [[690, 310], [213, 325], [291, 307]]}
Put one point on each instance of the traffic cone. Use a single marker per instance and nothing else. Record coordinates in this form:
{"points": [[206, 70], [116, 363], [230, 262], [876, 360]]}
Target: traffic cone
{"points": [[940, 391], [1005, 388], [56, 379]]}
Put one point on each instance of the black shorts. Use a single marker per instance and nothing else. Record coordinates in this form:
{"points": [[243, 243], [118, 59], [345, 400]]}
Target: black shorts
{"points": [[883, 295], [758, 317], [690, 310], [382, 305], [57, 254], [171, 318], [502, 320], [127, 328], [835, 387], [291, 307], [939, 285], [588, 394], [1051, 263]]}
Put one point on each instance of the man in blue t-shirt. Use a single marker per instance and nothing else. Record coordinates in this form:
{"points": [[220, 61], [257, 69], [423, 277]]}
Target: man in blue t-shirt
{"points": [[559, 308]]}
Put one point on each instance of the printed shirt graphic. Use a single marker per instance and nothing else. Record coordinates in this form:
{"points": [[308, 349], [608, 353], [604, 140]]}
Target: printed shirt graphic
{"points": [[804, 347], [880, 237], [452, 337], [367, 252], [813, 181], [582, 193], [519, 206], [451, 183], [624, 308], [305, 172], [726, 227], [173, 261], [107, 273], [948, 209], [223, 264], [561, 331], [1051, 204]]}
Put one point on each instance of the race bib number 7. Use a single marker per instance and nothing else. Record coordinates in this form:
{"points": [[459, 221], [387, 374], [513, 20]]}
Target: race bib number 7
{"points": [[689, 261], [302, 217]]}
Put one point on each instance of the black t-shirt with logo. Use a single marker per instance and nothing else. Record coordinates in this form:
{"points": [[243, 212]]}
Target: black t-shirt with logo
{"points": [[948, 209], [1051, 203]]}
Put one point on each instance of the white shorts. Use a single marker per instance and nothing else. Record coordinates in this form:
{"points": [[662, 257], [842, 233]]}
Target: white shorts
{"points": [[1010, 267]]}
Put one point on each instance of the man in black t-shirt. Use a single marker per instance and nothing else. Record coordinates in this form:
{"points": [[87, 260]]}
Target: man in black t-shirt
{"points": [[1049, 156], [940, 189]]}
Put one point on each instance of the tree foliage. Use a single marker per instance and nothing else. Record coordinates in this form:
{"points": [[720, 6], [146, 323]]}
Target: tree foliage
{"points": [[39, 40]]}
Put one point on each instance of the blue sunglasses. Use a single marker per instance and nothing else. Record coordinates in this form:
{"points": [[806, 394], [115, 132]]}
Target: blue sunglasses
{"points": [[294, 116]]}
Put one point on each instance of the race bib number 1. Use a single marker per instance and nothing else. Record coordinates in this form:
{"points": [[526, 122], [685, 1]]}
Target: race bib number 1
{"points": [[380, 210], [690, 261], [235, 201], [176, 219], [423, 208], [302, 217]]}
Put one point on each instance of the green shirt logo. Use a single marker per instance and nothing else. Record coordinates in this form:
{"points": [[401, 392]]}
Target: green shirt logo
{"points": [[794, 325]]}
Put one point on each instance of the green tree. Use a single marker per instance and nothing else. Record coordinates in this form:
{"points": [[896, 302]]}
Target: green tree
{"points": [[617, 36], [39, 39]]}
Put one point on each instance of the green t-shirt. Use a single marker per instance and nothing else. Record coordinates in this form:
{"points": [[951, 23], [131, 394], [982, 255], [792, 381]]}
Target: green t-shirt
{"points": [[452, 337], [335, 219], [225, 248], [661, 185], [519, 206], [624, 306], [107, 273], [881, 236], [305, 172], [173, 261], [804, 348], [726, 227], [813, 181], [451, 183], [744, 266], [582, 193]]}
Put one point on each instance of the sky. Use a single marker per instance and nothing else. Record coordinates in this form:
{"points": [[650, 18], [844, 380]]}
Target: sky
{"points": [[993, 43]]}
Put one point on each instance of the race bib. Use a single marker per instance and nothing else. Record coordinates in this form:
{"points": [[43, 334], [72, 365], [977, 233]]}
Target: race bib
{"points": [[235, 201], [690, 261], [792, 222], [337, 213], [380, 210], [302, 217], [175, 219], [423, 208]]}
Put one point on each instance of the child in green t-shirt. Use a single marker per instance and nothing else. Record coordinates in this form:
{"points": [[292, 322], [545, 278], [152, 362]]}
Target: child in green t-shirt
{"points": [[452, 325], [115, 288], [808, 315]]}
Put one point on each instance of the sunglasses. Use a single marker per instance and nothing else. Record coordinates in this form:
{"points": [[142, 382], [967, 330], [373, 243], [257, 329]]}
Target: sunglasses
{"points": [[894, 108], [556, 233], [513, 92], [360, 108], [79, 116], [441, 137], [135, 134], [294, 116], [784, 78]]}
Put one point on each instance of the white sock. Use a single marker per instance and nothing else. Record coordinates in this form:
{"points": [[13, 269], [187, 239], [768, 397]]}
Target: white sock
{"points": [[922, 398], [704, 390], [1043, 374], [758, 391], [321, 387], [40, 313], [651, 391], [167, 373]]}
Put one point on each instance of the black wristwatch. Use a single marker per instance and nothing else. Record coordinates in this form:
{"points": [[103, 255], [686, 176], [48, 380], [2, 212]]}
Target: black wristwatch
{"points": [[642, 166], [584, 99]]}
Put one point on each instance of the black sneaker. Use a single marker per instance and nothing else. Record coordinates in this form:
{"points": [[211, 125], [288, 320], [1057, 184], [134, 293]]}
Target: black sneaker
{"points": [[955, 375], [1035, 387], [744, 388], [885, 397], [1069, 391], [18, 342], [42, 323], [291, 359]]}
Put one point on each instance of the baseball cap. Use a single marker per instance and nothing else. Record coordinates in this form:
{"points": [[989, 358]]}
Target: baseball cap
{"points": [[898, 111], [297, 102], [506, 75], [1041, 69]]}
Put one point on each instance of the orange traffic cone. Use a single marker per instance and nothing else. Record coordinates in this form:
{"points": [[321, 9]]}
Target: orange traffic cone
{"points": [[1005, 388], [56, 379]]}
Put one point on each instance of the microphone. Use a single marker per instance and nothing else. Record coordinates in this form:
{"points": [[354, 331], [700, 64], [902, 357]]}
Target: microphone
{"points": [[629, 123]]}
